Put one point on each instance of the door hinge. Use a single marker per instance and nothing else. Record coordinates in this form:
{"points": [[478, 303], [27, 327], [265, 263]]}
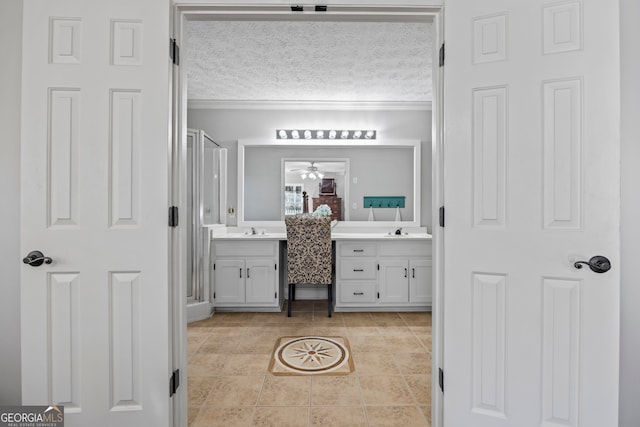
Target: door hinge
{"points": [[441, 216], [378, 267], [173, 216], [378, 295], [441, 62], [214, 295], [174, 51], [275, 266], [174, 382], [441, 379], [275, 296], [214, 266]]}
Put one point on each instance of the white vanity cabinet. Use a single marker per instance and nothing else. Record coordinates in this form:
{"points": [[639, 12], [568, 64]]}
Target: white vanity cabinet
{"points": [[245, 275], [393, 273]]}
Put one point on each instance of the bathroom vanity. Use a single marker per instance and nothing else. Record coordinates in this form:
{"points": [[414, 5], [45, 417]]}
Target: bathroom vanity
{"points": [[373, 271]]}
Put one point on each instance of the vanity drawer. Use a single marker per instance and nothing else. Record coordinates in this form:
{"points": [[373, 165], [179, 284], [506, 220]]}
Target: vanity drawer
{"points": [[357, 292], [244, 248], [357, 249], [357, 269]]}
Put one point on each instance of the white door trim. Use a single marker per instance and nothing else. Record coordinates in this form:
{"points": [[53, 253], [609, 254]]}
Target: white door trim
{"points": [[367, 8]]}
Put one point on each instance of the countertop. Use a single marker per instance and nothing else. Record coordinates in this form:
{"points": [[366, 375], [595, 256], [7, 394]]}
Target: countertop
{"points": [[334, 236]]}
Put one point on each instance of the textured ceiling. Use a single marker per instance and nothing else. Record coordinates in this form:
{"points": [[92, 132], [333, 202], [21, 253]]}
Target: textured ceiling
{"points": [[309, 61]]}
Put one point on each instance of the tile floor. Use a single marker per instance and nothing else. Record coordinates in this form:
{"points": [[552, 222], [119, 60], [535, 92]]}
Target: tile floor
{"points": [[229, 384]]}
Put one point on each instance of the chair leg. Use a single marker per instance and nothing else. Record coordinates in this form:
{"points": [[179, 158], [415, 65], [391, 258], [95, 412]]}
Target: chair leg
{"points": [[329, 299], [291, 288]]}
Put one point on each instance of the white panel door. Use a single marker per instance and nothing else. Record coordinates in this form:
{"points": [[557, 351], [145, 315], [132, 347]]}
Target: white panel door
{"points": [[95, 108], [531, 186]]}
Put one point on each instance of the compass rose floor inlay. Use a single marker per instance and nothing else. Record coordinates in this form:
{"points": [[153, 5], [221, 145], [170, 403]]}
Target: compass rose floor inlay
{"points": [[311, 356]]}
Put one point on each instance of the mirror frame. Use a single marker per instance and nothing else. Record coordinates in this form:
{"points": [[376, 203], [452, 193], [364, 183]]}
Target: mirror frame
{"points": [[243, 144]]}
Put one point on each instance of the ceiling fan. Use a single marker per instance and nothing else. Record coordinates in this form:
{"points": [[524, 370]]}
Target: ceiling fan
{"points": [[310, 172]]}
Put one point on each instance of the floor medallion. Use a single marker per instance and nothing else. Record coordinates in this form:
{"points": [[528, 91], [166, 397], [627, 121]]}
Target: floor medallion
{"points": [[311, 356]]}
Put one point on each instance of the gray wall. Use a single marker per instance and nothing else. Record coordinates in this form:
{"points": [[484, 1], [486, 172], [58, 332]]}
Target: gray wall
{"points": [[10, 70], [630, 227], [227, 126]]}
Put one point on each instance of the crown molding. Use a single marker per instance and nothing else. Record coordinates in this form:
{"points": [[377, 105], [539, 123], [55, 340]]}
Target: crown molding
{"points": [[211, 104]]}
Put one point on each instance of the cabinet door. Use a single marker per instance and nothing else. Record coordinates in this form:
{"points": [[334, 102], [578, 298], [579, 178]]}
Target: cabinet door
{"points": [[228, 284], [261, 281], [394, 281], [420, 280]]}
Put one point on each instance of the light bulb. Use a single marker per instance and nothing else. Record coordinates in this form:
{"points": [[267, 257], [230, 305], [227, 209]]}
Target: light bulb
{"points": [[332, 134], [319, 134], [295, 134], [344, 134], [357, 134], [282, 134], [312, 175], [304, 176], [307, 134], [320, 175], [369, 134]]}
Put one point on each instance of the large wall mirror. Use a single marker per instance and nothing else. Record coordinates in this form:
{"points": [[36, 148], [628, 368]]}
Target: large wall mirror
{"points": [[359, 169]]}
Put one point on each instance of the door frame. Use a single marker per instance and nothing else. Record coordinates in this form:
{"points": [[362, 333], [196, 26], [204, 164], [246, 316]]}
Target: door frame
{"points": [[383, 8]]}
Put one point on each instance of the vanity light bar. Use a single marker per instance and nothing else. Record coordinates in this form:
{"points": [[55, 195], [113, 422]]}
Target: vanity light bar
{"points": [[325, 134]]}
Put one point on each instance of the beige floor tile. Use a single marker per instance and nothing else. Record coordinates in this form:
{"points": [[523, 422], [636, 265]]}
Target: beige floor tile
{"points": [[194, 342], [404, 344], [394, 416], [199, 389], [217, 344], [235, 391], [413, 363], [206, 365], [425, 340], [285, 391], [364, 331], [426, 411], [416, 318], [320, 317], [305, 317], [294, 330], [358, 319], [338, 417], [385, 390], [281, 417], [226, 330], [387, 319], [332, 390], [420, 386], [375, 364], [256, 344], [395, 331], [267, 318], [367, 344], [192, 413], [330, 331], [225, 417], [229, 354], [246, 364]]}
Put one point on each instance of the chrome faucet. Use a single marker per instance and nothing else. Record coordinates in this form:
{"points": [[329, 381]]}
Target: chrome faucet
{"points": [[399, 231], [253, 231]]}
